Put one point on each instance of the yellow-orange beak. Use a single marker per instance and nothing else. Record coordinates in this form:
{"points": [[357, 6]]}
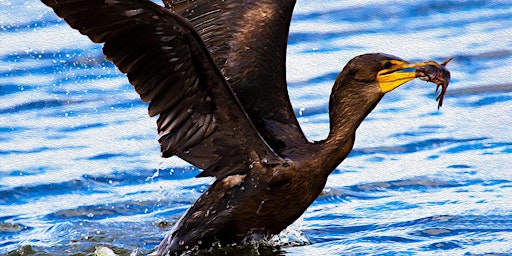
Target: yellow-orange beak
{"points": [[393, 77]]}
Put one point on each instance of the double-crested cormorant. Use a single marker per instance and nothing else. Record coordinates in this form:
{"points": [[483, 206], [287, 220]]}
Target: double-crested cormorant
{"points": [[215, 75]]}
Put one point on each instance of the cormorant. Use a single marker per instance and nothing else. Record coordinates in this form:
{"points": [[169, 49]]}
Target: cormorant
{"points": [[214, 72]]}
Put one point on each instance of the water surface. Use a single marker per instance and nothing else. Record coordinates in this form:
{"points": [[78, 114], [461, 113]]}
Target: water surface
{"points": [[80, 165]]}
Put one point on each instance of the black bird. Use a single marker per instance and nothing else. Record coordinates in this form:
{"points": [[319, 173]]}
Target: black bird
{"points": [[214, 72]]}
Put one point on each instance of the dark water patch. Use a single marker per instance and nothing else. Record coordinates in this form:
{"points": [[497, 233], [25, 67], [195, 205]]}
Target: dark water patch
{"points": [[478, 90], [12, 129], [485, 101], [63, 65], [81, 127], [137, 137], [490, 253], [437, 232], [475, 63], [28, 151], [38, 104], [29, 172], [459, 166], [337, 195], [432, 157], [319, 213], [19, 56], [476, 146], [418, 184], [105, 211], [445, 245], [507, 150], [421, 184], [496, 182], [411, 147], [8, 227], [128, 104], [452, 225], [390, 110], [486, 56], [422, 131], [332, 195], [140, 176], [80, 78], [6, 89], [59, 65], [124, 177], [74, 57], [106, 156], [388, 239], [335, 231], [37, 150], [433, 113], [67, 111], [300, 37], [432, 127], [29, 193], [29, 26], [159, 174]]}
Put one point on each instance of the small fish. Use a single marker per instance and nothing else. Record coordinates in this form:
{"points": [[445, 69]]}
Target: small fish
{"points": [[438, 74]]}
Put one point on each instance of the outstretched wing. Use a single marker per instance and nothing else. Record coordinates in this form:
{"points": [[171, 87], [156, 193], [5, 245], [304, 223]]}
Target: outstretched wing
{"points": [[247, 39], [200, 119]]}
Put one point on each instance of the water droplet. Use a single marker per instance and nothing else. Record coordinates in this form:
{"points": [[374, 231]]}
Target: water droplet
{"points": [[260, 206]]}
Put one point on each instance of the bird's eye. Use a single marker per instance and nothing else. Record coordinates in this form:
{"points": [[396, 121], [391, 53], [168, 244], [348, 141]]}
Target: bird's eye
{"points": [[386, 65]]}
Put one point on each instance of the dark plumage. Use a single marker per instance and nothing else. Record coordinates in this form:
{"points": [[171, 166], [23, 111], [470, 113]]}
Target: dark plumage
{"points": [[215, 75]]}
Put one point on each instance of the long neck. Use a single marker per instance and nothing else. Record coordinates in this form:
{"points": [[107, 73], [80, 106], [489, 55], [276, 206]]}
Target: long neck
{"points": [[348, 107]]}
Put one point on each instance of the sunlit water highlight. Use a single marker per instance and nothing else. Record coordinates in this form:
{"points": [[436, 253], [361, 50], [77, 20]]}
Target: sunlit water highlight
{"points": [[80, 165]]}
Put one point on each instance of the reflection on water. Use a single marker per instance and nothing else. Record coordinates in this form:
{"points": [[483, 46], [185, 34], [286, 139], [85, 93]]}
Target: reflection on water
{"points": [[80, 165]]}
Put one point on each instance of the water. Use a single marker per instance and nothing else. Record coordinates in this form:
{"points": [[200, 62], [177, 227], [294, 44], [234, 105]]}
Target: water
{"points": [[80, 165]]}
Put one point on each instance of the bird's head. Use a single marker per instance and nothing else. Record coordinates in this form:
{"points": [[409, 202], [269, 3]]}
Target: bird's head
{"points": [[382, 71], [366, 78]]}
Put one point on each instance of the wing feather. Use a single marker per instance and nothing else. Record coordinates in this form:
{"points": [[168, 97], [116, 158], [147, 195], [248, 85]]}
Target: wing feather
{"points": [[235, 31], [200, 118]]}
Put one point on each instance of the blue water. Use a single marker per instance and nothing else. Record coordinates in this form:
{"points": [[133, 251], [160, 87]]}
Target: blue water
{"points": [[80, 165]]}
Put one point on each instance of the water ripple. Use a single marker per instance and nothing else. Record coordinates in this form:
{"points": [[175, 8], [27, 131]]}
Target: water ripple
{"points": [[445, 178]]}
